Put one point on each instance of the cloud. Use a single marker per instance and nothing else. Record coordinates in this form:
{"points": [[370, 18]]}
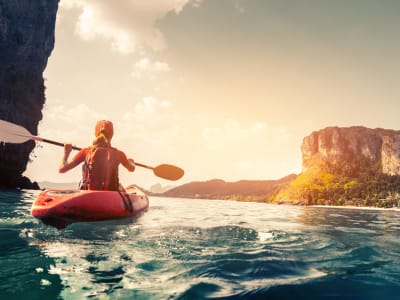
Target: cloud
{"points": [[130, 26], [231, 133], [151, 121], [153, 124], [145, 67], [239, 6], [70, 123], [151, 110]]}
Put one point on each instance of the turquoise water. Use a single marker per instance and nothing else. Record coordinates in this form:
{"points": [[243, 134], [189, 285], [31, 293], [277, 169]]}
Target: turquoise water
{"points": [[202, 249]]}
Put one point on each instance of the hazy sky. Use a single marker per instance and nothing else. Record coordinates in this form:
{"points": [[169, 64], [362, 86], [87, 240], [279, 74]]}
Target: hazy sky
{"points": [[222, 88]]}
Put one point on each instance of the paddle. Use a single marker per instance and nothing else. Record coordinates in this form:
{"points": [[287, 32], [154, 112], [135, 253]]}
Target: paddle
{"points": [[16, 134]]}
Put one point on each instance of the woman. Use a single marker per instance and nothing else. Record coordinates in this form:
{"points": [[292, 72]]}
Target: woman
{"points": [[101, 161]]}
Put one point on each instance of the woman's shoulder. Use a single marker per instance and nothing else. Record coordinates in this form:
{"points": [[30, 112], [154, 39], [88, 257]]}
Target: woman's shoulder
{"points": [[119, 152]]}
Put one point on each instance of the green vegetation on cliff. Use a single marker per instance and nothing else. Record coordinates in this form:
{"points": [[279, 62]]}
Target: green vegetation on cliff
{"points": [[339, 184]]}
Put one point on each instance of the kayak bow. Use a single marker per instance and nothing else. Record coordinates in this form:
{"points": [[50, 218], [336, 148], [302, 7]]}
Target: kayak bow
{"points": [[59, 208]]}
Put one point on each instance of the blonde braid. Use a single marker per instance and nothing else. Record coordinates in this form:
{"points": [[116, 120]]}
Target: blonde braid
{"points": [[101, 141]]}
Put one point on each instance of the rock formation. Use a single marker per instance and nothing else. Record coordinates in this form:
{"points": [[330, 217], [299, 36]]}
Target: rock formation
{"points": [[347, 166], [353, 145], [26, 41]]}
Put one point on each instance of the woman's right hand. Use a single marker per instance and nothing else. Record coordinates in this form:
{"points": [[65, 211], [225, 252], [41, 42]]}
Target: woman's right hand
{"points": [[67, 149]]}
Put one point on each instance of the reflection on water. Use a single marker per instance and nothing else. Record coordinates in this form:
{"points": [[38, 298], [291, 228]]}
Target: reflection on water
{"points": [[201, 249], [22, 267]]}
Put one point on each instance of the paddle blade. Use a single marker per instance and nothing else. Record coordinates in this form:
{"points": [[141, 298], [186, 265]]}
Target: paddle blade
{"points": [[169, 172], [15, 134]]}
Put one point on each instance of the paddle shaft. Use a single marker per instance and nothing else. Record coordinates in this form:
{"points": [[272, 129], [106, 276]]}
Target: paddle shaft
{"points": [[56, 143]]}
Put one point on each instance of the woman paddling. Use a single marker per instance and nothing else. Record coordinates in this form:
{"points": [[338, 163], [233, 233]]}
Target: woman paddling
{"points": [[101, 161]]}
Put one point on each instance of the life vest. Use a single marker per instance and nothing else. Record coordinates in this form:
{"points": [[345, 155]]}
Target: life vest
{"points": [[100, 170]]}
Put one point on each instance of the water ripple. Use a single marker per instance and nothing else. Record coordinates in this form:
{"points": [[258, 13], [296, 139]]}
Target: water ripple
{"points": [[200, 249]]}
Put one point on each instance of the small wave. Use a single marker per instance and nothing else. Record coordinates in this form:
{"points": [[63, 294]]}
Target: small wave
{"points": [[246, 288], [253, 252]]}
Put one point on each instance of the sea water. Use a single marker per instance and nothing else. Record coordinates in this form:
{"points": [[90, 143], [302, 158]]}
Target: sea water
{"points": [[202, 249]]}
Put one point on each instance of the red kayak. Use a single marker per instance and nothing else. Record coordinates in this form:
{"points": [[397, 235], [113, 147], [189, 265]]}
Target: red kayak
{"points": [[60, 208]]}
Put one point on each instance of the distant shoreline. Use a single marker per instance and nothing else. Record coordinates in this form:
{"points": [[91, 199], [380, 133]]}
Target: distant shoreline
{"points": [[357, 207], [290, 204]]}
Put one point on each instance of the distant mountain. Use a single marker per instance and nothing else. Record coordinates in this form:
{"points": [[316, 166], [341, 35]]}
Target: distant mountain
{"points": [[48, 185], [243, 190], [159, 189]]}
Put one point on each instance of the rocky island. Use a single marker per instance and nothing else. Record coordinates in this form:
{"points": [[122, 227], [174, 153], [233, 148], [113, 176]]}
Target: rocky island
{"points": [[341, 166], [347, 166]]}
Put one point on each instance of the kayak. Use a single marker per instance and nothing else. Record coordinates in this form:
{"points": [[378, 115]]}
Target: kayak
{"points": [[59, 208]]}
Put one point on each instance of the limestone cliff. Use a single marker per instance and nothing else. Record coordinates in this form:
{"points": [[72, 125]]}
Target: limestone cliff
{"points": [[26, 41], [342, 165], [352, 145]]}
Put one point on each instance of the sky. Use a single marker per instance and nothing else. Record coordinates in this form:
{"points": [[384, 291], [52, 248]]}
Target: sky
{"points": [[224, 89]]}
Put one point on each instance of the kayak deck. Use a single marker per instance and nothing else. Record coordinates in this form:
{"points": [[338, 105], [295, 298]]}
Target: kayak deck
{"points": [[60, 208]]}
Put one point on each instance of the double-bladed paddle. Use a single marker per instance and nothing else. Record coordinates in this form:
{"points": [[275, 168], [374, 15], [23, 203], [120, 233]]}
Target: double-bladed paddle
{"points": [[16, 134]]}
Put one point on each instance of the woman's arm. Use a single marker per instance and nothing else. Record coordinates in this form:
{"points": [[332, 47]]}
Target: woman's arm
{"points": [[66, 165], [128, 163]]}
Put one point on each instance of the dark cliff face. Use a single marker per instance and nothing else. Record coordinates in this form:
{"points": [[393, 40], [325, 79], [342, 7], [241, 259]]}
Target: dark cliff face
{"points": [[26, 41]]}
